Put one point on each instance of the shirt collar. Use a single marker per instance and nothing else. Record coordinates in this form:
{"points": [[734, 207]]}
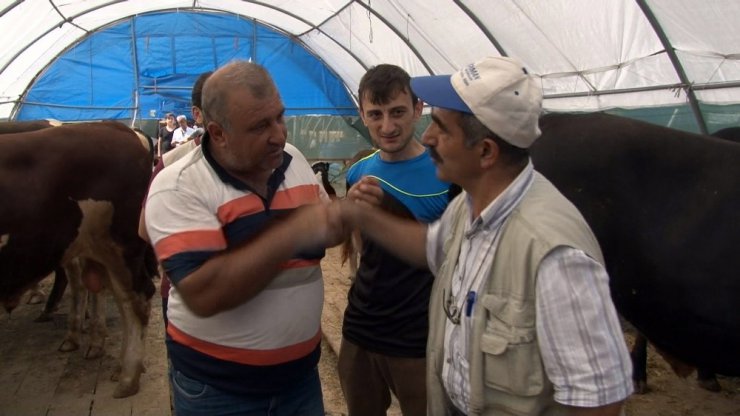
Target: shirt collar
{"points": [[276, 178], [499, 209]]}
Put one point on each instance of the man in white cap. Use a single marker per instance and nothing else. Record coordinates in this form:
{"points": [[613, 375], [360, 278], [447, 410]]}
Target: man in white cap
{"points": [[521, 319], [182, 134]]}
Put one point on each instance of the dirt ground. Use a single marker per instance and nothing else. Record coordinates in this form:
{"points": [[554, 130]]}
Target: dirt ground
{"points": [[669, 394], [35, 379], [38, 380]]}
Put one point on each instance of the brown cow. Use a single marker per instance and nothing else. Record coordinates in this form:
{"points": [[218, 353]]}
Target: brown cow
{"points": [[73, 193], [36, 295], [25, 126], [80, 295], [352, 246]]}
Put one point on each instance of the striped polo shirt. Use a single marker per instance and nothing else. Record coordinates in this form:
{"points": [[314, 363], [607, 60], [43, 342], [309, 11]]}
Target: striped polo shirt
{"points": [[196, 210]]}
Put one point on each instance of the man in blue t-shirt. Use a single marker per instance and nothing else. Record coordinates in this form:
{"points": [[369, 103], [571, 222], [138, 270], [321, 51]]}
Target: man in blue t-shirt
{"points": [[385, 323]]}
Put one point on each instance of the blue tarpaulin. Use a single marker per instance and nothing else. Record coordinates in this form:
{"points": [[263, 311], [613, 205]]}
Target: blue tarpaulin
{"points": [[144, 66]]}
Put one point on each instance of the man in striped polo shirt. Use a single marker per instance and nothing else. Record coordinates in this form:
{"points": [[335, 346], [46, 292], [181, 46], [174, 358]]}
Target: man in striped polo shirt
{"points": [[239, 225]]}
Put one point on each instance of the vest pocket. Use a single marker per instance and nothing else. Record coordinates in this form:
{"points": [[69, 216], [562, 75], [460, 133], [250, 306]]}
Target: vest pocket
{"points": [[511, 355], [512, 362]]}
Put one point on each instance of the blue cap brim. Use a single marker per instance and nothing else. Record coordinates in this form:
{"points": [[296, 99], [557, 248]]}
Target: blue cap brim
{"points": [[437, 91]]}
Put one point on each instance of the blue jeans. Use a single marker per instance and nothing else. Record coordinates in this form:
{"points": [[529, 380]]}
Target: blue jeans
{"points": [[193, 398]]}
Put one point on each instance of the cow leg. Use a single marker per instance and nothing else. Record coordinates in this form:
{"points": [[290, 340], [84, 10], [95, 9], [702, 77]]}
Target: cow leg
{"points": [[355, 255], [96, 326], [77, 307], [707, 380], [352, 266], [639, 363], [131, 359], [35, 295], [350, 252], [57, 291]]}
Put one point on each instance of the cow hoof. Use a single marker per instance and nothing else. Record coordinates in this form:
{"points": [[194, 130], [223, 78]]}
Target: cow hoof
{"points": [[43, 317], [68, 345], [94, 352], [116, 374], [124, 389], [35, 299], [710, 385], [640, 386]]}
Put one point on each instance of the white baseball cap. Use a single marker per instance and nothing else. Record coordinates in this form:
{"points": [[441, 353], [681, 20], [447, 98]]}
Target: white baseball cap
{"points": [[497, 90]]}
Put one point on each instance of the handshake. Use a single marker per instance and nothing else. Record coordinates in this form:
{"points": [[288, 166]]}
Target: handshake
{"points": [[329, 224], [323, 225]]}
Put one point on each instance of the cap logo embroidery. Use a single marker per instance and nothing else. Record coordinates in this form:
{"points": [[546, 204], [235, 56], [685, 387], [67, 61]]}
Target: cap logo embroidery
{"points": [[469, 73]]}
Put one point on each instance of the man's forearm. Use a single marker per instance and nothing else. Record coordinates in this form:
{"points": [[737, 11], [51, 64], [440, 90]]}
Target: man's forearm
{"points": [[405, 238], [232, 278]]}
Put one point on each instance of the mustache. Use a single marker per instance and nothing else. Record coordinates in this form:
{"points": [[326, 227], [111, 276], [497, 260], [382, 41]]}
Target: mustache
{"points": [[433, 153]]}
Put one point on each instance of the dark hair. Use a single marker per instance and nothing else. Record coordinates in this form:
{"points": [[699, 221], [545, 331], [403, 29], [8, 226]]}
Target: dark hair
{"points": [[475, 131], [382, 82], [197, 94]]}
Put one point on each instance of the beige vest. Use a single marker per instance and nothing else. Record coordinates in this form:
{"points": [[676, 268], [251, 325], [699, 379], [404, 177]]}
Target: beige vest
{"points": [[507, 376]]}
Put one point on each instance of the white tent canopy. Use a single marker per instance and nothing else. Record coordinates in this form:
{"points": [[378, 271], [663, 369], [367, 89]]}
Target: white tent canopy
{"points": [[589, 55]]}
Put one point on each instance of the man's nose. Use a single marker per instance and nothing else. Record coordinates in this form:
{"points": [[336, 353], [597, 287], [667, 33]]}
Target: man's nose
{"points": [[279, 134], [387, 124], [427, 139]]}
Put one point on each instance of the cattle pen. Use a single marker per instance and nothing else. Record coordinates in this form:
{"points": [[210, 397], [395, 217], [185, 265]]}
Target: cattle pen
{"points": [[36, 379]]}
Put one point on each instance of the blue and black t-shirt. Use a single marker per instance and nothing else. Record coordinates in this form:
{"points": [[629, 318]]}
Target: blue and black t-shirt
{"points": [[388, 301]]}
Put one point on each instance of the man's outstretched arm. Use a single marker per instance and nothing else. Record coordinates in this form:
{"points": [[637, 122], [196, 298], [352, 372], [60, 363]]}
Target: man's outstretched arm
{"points": [[405, 238]]}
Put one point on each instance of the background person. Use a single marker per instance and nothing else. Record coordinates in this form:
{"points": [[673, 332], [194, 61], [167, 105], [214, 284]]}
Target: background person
{"points": [[521, 319], [183, 132], [164, 141], [240, 228], [386, 321]]}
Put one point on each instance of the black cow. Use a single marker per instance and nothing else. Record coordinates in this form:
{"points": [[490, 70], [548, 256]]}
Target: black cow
{"points": [[664, 205], [322, 168], [73, 193], [728, 133], [705, 378]]}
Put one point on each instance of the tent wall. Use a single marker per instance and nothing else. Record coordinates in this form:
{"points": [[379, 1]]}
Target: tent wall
{"points": [[672, 62], [144, 66]]}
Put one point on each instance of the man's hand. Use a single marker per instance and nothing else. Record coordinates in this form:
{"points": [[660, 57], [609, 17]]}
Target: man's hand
{"points": [[318, 225], [367, 191]]}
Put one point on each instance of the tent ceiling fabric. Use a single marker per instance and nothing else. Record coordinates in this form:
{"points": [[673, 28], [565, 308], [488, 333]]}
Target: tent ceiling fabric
{"points": [[589, 54]]}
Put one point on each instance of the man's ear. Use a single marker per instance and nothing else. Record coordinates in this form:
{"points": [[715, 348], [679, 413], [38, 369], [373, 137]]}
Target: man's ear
{"points": [[362, 117], [418, 108], [197, 114], [489, 152], [216, 133]]}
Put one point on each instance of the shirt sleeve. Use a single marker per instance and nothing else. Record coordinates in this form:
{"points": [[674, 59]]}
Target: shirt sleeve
{"points": [[184, 230], [434, 245], [581, 341]]}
